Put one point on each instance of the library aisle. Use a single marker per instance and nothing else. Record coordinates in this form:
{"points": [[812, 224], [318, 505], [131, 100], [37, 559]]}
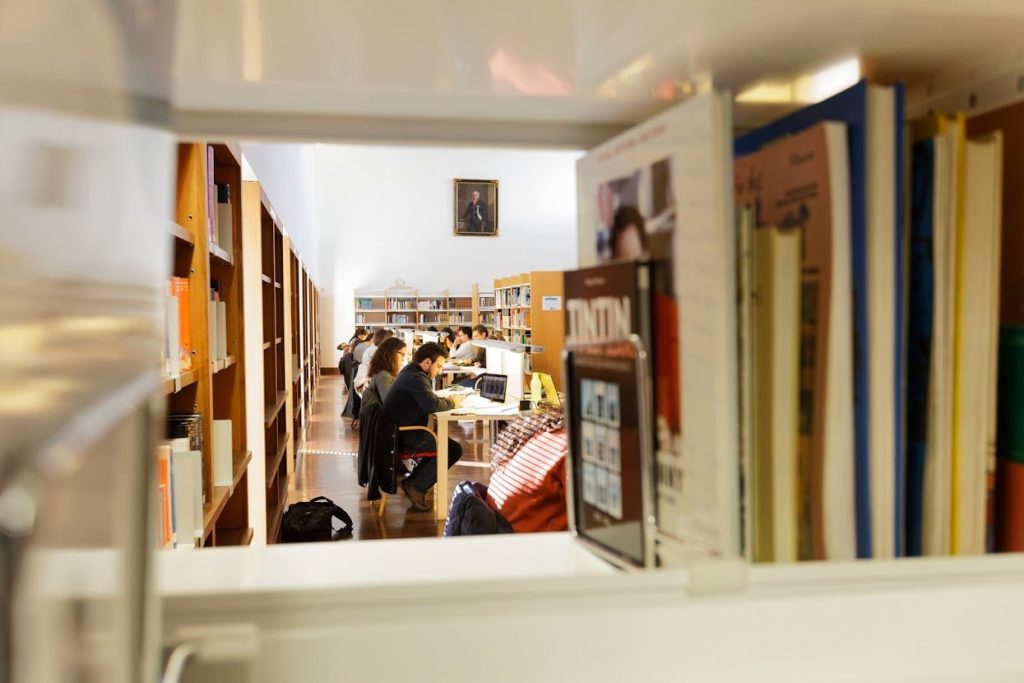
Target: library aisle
{"points": [[327, 467]]}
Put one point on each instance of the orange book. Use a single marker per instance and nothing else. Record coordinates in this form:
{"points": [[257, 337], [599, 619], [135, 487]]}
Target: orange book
{"points": [[163, 478], [179, 287]]}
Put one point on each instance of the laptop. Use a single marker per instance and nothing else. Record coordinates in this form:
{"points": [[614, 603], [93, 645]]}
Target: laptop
{"points": [[492, 388]]}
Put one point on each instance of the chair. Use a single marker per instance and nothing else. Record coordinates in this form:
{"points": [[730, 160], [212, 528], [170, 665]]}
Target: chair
{"points": [[399, 456]]}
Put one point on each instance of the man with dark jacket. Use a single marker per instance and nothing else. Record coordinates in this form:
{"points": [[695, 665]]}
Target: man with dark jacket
{"points": [[476, 213], [410, 402]]}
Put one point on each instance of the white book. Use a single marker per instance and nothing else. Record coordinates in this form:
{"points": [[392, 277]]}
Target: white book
{"points": [[172, 347], [222, 453], [222, 329], [213, 330], [225, 228], [184, 494], [776, 411], [881, 276], [978, 332], [745, 221]]}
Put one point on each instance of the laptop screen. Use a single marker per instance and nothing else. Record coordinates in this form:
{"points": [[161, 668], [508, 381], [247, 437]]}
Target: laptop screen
{"points": [[493, 387]]}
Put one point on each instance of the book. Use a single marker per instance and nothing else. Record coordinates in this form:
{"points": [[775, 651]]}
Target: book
{"points": [[978, 334], [745, 220], [776, 405], [211, 196], [802, 182], [683, 153], [180, 289], [165, 492], [187, 514], [920, 321], [874, 124], [225, 218], [1009, 506], [222, 329], [1010, 121], [223, 474], [937, 487], [172, 344]]}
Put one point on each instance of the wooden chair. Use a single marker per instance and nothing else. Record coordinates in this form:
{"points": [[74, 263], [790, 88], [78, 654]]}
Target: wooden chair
{"points": [[399, 456]]}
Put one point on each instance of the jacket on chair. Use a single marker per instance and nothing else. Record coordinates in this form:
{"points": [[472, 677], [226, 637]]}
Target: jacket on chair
{"points": [[377, 442]]}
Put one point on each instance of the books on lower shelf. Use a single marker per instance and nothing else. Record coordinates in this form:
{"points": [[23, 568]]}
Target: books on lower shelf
{"points": [[218, 325]]}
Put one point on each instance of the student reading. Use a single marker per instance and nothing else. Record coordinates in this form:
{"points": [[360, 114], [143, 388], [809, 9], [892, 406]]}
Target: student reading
{"points": [[410, 402]]}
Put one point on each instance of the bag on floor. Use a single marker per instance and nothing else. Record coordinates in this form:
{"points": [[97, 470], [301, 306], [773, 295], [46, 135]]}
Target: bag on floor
{"points": [[313, 521]]}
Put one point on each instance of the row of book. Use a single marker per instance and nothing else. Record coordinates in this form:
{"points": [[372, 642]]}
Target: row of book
{"points": [[177, 351], [513, 296], [871, 371], [219, 221], [180, 477]]}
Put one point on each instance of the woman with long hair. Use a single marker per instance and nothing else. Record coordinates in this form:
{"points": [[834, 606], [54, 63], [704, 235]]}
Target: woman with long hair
{"points": [[384, 367]]}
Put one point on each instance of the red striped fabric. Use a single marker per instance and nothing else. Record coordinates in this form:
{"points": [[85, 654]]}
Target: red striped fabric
{"points": [[529, 489]]}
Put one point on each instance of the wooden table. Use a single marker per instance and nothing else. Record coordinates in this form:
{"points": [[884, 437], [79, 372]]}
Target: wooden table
{"points": [[460, 414]]}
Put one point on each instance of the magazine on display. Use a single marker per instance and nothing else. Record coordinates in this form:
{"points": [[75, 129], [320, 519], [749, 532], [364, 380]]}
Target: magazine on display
{"points": [[662, 192]]}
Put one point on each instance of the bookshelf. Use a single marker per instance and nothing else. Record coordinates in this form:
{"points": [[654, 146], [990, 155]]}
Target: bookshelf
{"points": [[528, 310], [211, 381], [483, 310], [406, 308], [275, 370]]}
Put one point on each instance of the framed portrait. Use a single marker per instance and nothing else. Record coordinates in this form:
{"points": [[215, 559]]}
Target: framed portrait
{"points": [[476, 207]]}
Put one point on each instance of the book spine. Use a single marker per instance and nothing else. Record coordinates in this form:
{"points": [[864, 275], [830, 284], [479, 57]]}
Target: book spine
{"points": [[211, 196]]}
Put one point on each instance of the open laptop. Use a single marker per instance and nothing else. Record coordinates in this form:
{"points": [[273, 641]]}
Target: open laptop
{"points": [[491, 390]]}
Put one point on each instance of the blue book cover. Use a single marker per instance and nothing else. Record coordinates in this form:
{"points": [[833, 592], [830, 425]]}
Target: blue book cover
{"points": [[919, 331], [851, 107], [900, 329]]}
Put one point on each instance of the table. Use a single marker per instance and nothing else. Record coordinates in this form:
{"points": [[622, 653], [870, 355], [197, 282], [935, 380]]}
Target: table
{"points": [[483, 415]]}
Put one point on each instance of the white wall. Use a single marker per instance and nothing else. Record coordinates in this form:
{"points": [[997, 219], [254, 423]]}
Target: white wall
{"points": [[387, 213], [286, 172]]}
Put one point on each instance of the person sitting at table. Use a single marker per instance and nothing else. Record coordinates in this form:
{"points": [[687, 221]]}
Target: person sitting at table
{"points": [[410, 402], [362, 372], [464, 347], [480, 333], [373, 462], [447, 338]]}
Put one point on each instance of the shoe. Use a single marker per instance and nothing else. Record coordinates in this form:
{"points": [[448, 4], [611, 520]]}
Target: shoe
{"points": [[417, 498]]}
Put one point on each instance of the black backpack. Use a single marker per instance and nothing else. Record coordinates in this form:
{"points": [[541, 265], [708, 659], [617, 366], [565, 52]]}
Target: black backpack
{"points": [[313, 521]]}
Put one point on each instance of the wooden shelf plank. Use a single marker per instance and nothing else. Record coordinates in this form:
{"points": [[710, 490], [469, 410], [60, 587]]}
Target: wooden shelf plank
{"points": [[221, 494], [266, 280], [272, 410], [275, 463], [266, 345], [181, 234], [218, 253], [279, 340], [229, 361], [213, 508], [229, 537], [240, 461], [277, 285], [172, 385]]}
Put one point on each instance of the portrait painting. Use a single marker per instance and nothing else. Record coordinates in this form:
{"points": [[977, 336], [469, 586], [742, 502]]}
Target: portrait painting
{"points": [[476, 207]]}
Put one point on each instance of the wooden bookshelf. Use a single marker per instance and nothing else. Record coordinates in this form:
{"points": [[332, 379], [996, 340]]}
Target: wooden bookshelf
{"points": [[520, 316], [214, 386], [273, 255]]}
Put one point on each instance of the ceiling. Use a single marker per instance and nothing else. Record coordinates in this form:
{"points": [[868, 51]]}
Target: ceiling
{"points": [[552, 71]]}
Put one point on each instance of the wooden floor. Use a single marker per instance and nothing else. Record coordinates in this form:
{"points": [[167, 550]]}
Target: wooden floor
{"points": [[327, 467]]}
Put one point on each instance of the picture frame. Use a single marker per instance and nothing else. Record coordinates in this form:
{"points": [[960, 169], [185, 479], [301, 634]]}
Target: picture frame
{"points": [[475, 215]]}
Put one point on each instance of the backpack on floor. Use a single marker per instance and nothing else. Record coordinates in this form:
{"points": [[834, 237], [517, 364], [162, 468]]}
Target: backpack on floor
{"points": [[313, 521]]}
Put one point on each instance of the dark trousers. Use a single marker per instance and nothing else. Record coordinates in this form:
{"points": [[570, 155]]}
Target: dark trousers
{"points": [[425, 474]]}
